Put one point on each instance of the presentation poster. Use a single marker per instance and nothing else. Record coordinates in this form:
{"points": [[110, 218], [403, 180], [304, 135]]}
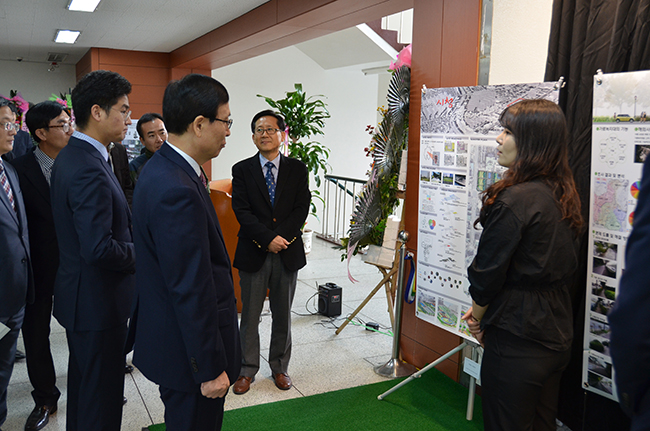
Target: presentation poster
{"points": [[458, 160], [620, 145]]}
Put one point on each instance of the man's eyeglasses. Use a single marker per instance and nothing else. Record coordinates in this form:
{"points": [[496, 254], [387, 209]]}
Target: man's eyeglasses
{"points": [[228, 122], [125, 114], [9, 126], [65, 127], [269, 131]]}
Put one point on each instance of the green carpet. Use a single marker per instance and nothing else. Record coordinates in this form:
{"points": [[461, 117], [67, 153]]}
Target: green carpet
{"points": [[433, 402]]}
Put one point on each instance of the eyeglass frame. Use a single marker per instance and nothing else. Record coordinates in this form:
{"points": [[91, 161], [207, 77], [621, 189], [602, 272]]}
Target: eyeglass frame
{"points": [[269, 131], [228, 122], [9, 125], [125, 115], [63, 126]]}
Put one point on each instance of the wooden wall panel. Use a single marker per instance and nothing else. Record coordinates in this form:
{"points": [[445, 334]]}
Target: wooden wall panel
{"points": [[445, 53]]}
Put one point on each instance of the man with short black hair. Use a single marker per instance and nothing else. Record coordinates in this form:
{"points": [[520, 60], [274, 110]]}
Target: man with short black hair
{"points": [[50, 126], [94, 287], [16, 283], [270, 198], [152, 132], [186, 334]]}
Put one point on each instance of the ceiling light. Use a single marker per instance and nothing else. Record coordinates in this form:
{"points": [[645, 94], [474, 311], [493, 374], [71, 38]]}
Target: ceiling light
{"points": [[83, 5], [66, 36]]}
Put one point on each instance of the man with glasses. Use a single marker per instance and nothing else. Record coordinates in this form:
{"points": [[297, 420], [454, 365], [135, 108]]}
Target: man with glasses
{"points": [[94, 287], [270, 197], [186, 334], [16, 284], [50, 126]]}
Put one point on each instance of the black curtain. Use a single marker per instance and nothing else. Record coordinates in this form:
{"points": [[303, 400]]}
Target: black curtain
{"points": [[587, 35]]}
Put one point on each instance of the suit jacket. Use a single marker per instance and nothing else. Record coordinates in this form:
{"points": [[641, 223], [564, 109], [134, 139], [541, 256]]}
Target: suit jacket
{"points": [[186, 330], [94, 284], [16, 283], [42, 236], [260, 221], [630, 336], [120, 161]]}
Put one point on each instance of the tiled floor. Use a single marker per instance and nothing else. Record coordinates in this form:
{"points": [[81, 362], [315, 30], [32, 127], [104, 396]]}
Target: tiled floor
{"points": [[321, 361]]}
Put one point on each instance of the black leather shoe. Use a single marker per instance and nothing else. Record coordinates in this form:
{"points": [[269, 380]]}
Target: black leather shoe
{"points": [[39, 417], [128, 369], [20, 355], [124, 400]]}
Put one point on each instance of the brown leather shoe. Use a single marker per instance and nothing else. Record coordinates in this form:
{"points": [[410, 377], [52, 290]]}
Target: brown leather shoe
{"points": [[242, 385], [282, 381]]}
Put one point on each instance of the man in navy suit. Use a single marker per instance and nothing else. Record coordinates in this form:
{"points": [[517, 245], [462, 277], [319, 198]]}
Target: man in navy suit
{"points": [[186, 334], [270, 197], [16, 284], [630, 337], [94, 287], [50, 126]]}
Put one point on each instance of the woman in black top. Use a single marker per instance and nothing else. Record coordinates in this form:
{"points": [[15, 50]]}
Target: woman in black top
{"points": [[524, 265]]}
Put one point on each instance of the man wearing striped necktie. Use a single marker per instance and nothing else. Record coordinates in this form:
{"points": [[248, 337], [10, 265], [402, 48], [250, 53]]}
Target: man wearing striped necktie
{"points": [[16, 284]]}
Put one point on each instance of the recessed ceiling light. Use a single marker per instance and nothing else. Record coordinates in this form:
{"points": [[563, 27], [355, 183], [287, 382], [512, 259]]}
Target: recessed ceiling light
{"points": [[66, 36], [83, 5]]}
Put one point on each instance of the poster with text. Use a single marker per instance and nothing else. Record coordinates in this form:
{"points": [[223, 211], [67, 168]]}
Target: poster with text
{"points": [[620, 145], [458, 161]]}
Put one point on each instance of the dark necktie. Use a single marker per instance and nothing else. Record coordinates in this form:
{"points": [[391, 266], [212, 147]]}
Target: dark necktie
{"points": [[270, 181], [204, 180], [4, 182]]}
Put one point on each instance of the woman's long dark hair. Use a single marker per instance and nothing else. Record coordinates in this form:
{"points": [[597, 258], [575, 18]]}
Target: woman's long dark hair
{"points": [[541, 137]]}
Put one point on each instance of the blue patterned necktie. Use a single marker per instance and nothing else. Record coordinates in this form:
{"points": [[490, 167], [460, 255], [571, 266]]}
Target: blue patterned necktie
{"points": [[270, 181], [4, 181]]}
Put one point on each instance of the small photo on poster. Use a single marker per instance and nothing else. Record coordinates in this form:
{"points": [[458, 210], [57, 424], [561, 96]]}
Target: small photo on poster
{"points": [[461, 161], [426, 302], [641, 153], [602, 289], [605, 250], [601, 306], [436, 177], [600, 346], [599, 366], [460, 180], [435, 158], [449, 160], [599, 382], [461, 147], [604, 267], [448, 313], [599, 328], [450, 146], [425, 176], [447, 179]]}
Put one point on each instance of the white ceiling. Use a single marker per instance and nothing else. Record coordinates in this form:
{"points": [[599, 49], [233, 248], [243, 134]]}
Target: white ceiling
{"points": [[28, 27]]}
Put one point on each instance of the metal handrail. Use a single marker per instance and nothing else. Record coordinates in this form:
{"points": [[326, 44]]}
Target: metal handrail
{"points": [[337, 202]]}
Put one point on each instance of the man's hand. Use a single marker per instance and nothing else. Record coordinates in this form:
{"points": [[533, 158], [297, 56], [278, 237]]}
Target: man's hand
{"points": [[217, 388], [278, 244], [474, 325]]}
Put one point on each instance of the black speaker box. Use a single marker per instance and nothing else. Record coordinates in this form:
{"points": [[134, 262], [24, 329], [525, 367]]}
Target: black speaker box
{"points": [[329, 299]]}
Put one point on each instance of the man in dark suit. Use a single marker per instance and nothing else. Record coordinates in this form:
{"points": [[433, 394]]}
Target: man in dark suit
{"points": [[630, 337], [16, 284], [270, 197], [153, 134], [49, 124], [186, 334], [94, 286]]}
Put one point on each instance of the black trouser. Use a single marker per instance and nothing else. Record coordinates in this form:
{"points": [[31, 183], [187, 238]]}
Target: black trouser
{"points": [[520, 381], [186, 411]]}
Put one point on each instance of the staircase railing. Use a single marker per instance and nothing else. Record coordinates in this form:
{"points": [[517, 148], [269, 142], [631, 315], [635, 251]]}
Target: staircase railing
{"points": [[339, 195]]}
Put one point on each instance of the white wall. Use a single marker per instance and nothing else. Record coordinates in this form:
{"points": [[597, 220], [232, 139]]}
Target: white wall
{"points": [[520, 32], [33, 81], [351, 97]]}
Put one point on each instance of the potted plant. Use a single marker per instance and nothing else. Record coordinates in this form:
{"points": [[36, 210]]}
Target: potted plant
{"points": [[305, 118]]}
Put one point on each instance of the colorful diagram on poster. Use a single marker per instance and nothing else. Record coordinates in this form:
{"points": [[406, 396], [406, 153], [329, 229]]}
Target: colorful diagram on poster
{"points": [[432, 224], [630, 218], [634, 190]]}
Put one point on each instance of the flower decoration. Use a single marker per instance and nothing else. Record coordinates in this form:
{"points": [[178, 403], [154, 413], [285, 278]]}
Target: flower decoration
{"points": [[403, 59], [21, 105]]}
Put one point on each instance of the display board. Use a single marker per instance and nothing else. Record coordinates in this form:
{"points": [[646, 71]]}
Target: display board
{"points": [[458, 160], [620, 145]]}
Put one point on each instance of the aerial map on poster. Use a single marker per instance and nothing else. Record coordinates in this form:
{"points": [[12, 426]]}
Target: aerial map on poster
{"points": [[620, 145], [458, 160]]}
